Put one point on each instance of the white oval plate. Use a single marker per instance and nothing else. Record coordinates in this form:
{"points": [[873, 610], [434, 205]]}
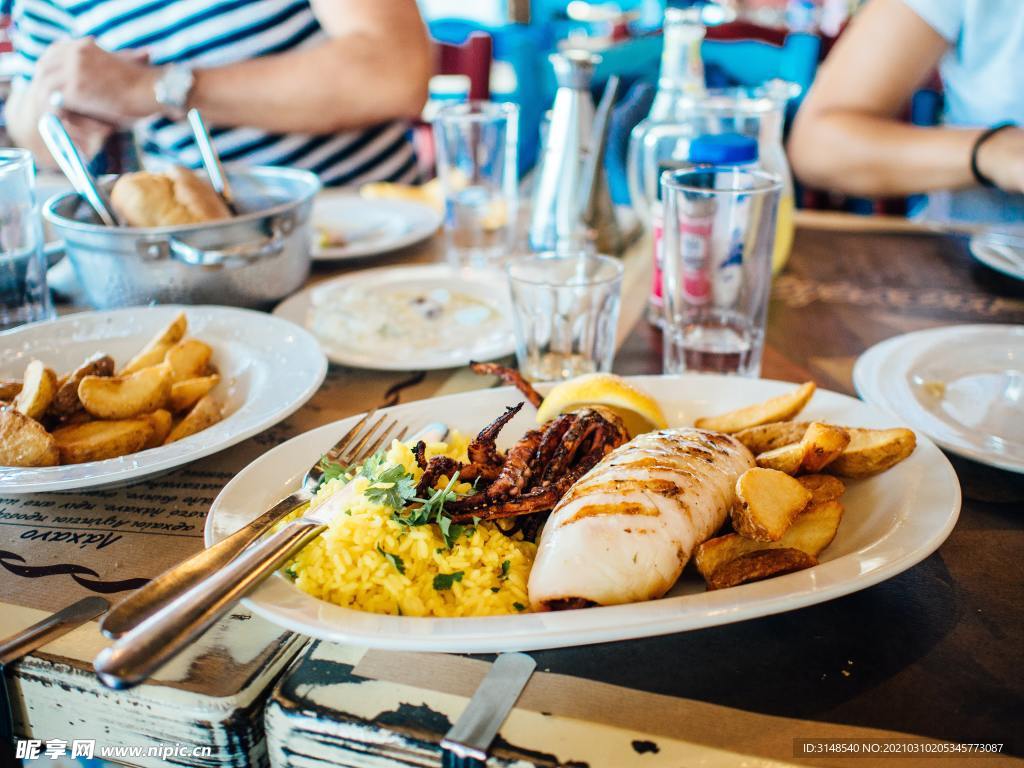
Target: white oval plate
{"points": [[892, 522], [483, 344], [1002, 255], [268, 368], [371, 227], [980, 415]]}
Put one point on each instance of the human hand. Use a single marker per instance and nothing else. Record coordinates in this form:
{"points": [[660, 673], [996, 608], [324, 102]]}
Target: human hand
{"points": [[1001, 159], [112, 88]]}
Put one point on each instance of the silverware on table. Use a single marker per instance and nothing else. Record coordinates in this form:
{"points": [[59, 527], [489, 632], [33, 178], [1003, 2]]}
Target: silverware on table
{"points": [[31, 639], [66, 155], [211, 161], [467, 742], [157, 639], [362, 440]]}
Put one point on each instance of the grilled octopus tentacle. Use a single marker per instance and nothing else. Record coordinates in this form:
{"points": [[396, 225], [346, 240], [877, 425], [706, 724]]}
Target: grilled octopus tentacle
{"points": [[482, 450], [437, 466], [509, 376], [515, 474]]}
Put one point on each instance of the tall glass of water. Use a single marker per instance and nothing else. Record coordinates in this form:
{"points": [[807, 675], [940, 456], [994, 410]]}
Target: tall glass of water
{"points": [[565, 307], [476, 162], [718, 239], [23, 294]]}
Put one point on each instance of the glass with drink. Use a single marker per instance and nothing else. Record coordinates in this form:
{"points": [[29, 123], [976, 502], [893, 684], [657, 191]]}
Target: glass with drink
{"points": [[24, 297], [476, 163], [719, 231], [565, 307]]}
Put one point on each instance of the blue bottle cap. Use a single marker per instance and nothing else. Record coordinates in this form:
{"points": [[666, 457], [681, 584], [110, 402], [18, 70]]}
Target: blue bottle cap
{"points": [[723, 149]]}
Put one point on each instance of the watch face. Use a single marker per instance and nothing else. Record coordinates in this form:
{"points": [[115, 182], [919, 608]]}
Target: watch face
{"points": [[173, 87]]}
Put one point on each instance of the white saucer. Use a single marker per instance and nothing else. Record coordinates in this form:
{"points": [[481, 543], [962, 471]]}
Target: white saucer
{"points": [[370, 227]]}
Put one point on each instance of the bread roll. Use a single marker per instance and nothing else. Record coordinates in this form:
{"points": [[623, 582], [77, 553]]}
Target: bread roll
{"points": [[169, 199]]}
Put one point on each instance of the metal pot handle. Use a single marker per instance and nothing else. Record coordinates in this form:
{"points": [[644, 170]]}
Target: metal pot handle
{"points": [[235, 256]]}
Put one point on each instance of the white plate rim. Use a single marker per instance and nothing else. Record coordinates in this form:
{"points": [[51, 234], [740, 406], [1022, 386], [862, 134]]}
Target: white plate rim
{"points": [[867, 381], [983, 254], [802, 590], [426, 221], [98, 473], [295, 309]]}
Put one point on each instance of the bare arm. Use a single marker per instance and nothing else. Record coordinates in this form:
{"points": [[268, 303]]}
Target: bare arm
{"points": [[847, 135], [374, 67]]}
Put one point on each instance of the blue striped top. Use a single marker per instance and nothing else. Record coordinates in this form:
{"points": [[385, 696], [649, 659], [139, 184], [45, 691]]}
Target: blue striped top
{"points": [[211, 33]]}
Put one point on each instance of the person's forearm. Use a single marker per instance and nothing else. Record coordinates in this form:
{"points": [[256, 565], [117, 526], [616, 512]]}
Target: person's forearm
{"points": [[21, 126], [345, 83], [866, 155]]}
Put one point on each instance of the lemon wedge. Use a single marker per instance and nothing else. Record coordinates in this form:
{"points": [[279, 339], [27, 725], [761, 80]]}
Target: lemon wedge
{"points": [[639, 411]]}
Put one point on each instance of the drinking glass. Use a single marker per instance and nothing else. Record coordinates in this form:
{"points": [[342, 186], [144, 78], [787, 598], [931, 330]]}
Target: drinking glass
{"points": [[565, 308], [23, 294], [718, 238], [476, 162]]}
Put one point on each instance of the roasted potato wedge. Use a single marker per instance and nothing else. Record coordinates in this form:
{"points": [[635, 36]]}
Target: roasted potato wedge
{"points": [[778, 408], [24, 442], [871, 451], [122, 397], [98, 440], [37, 391], [9, 388], [785, 459], [767, 503], [822, 444], [204, 414], [185, 394], [762, 564], [66, 401], [822, 487], [775, 434], [154, 352], [188, 359], [811, 532], [161, 421]]}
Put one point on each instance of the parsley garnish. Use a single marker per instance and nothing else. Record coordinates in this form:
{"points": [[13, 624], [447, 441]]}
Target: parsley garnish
{"points": [[332, 470], [519, 607], [290, 572], [505, 565], [445, 580], [395, 560], [495, 589], [390, 485]]}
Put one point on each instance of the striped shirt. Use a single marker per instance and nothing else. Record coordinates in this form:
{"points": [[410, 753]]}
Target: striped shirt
{"points": [[213, 33]]}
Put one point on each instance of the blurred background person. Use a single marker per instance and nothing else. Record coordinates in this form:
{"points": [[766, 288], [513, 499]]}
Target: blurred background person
{"points": [[326, 85], [848, 136]]}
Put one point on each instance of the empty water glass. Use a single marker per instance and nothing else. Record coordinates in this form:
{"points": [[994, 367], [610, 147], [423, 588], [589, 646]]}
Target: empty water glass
{"points": [[24, 297], [718, 239], [476, 163], [565, 308]]}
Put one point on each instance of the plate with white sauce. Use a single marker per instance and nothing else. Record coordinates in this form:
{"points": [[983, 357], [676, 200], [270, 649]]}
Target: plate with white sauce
{"points": [[423, 317]]}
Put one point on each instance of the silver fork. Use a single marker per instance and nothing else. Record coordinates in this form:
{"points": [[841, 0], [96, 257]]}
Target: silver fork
{"points": [[356, 445]]}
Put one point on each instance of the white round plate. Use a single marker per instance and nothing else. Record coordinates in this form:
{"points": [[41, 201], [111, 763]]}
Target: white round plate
{"points": [[456, 349], [370, 227], [892, 521], [963, 386], [268, 368], [1004, 255]]}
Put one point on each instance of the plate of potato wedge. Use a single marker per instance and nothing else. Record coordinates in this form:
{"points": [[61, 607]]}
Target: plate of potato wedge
{"points": [[105, 398]]}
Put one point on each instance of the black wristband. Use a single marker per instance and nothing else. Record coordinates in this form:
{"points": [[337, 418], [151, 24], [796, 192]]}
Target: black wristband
{"points": [[984, 136]]}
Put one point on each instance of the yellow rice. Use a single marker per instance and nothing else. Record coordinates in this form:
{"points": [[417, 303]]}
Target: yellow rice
{"points": [[345, 567]]}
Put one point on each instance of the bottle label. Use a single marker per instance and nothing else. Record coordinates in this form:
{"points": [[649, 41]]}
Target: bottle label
{"points": [[658, 228], [695, 258]]}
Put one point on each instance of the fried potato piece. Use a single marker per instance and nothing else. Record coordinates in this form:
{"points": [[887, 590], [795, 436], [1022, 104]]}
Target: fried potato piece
{"points": [[9, 388], [66, 401], [37, 391], [767, 503], [154, 352], [763, 564], [775, 434], [778, 408], [98, 440], [185, 394], [822, 444], [188, 359], [871, 451], [161, 421], [811, 532], [122, 397], [785, 459], [822, 487], [204, 414], [24, 442]]}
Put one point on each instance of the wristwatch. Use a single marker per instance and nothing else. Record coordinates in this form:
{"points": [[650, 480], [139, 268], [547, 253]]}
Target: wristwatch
{"points": [[172, 89]]}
